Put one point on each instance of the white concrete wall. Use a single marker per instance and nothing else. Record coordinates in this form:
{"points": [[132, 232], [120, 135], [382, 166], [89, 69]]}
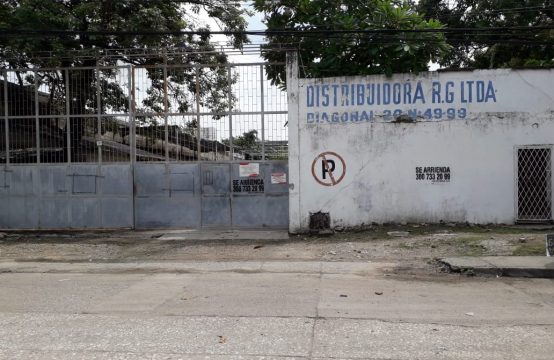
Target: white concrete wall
{"points": [[381, 156]]}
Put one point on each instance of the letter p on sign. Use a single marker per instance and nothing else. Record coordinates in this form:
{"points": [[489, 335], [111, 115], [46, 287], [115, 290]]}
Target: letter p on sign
{"points": [[328, 168]]}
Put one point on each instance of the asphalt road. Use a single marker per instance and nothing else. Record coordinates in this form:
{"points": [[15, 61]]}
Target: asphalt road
{"points": [[269, 310]]}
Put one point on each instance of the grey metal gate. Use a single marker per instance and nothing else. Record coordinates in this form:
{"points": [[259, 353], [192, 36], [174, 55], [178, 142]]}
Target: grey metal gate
{"points": [[253, 201], [216, 190], [77, 196], [125, 146]]}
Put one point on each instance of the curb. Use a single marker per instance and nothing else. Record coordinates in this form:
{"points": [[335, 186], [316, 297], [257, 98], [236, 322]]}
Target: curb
{"points": [[481, 266], [244, 267]]}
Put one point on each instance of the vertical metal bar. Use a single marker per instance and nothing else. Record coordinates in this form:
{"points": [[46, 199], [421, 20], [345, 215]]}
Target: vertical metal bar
{"points": [[132, 129], [98, 114], [132, 148], [262, 109], [549, 181], [198, 135], [37, 121], [166, 110], [516, 183], [6, 116], [67, 116], [178, 146], [229, 99]]}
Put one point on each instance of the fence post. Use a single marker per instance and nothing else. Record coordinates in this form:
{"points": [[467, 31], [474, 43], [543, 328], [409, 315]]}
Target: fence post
{"points": [[166, 125], [98, 114], [198, 135], [132, 128], [295, 222], [68, 116], [6, 114], [37, 121], [262, 109], [229, 99]]}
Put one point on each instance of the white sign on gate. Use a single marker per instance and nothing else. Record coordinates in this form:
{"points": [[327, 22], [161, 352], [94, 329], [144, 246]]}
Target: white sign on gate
{"points": [[249, 169]]}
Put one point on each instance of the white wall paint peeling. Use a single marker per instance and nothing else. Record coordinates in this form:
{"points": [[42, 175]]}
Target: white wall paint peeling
{"points": [[381, 156]]}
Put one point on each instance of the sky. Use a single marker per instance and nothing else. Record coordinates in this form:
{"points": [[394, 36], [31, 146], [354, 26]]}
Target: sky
{"points": [[254, 23]]}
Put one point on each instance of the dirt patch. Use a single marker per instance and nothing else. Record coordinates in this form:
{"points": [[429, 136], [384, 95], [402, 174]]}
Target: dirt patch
{"points": [[422, 244]]}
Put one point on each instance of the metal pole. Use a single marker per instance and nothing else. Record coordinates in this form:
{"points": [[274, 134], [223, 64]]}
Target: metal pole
{"points": [[37, 121], [98, 114], [230, 99], [166, 126], [99, 143], [262, 109], [132, 125], [131, 120], [6, 114], [199, 143], [68, 117]]}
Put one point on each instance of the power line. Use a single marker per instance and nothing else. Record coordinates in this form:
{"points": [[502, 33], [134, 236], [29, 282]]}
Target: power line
{"points": [[283, 32]]}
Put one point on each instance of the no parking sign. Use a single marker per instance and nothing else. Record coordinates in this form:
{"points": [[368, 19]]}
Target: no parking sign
{"points": [[328, 168]]}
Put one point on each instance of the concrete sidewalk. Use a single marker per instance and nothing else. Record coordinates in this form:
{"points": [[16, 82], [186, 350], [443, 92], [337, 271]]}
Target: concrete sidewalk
{"points": [[198, 267], [267, 310], [510, 266]]}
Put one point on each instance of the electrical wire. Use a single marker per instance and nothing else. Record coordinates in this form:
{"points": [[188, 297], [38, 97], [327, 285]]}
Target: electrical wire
{"points": [[291, 32]]}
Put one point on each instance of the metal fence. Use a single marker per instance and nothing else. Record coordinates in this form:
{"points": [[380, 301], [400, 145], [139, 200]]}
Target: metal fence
{"points": [[162, 113]]}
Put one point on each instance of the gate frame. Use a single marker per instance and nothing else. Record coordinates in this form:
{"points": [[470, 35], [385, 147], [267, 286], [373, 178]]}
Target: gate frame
{"points": [[130, 117]]}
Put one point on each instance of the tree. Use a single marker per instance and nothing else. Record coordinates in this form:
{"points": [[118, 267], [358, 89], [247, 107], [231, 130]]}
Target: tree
{"points": [[248, 143], [247, 140], [509, 48], [88, 46], [325, 52]]}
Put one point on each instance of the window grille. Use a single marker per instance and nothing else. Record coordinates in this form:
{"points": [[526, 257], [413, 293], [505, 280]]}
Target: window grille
{"points": [[534, 189]]}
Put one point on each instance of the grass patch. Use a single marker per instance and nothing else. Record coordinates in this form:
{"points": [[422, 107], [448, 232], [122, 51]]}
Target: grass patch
{"points": [[468, 240], [470, 245], [530, 249], [406, 246]]}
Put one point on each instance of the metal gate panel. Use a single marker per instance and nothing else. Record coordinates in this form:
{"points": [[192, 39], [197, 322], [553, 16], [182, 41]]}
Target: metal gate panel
{"points": [[23, 212], [55, 189], [216, 202], [117, 212], [277, 196], [54, 180], [249, 210], [4, 199], [167, 196], [54, 213], [66, 196], [122, 164], [277, 211], [216, 211], [23, 181], [85, 212], [116, 187], [262, 209], [534, 185], [23, 202]]}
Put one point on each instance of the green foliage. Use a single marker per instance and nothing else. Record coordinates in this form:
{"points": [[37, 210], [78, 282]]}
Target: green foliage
{"points": [[60, 50], [248, 140], [342, 54], [532, 248], [248, 143], [523, 49]]}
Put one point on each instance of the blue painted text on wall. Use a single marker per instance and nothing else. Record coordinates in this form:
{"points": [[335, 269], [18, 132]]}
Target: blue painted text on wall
{"points": [[400, 93]]}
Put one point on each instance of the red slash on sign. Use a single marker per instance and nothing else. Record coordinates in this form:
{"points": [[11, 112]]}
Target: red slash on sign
{"points": [[328, 168]]}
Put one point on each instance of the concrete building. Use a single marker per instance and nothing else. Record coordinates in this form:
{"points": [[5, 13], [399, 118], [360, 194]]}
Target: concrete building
{"points": [[472, 146]]}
